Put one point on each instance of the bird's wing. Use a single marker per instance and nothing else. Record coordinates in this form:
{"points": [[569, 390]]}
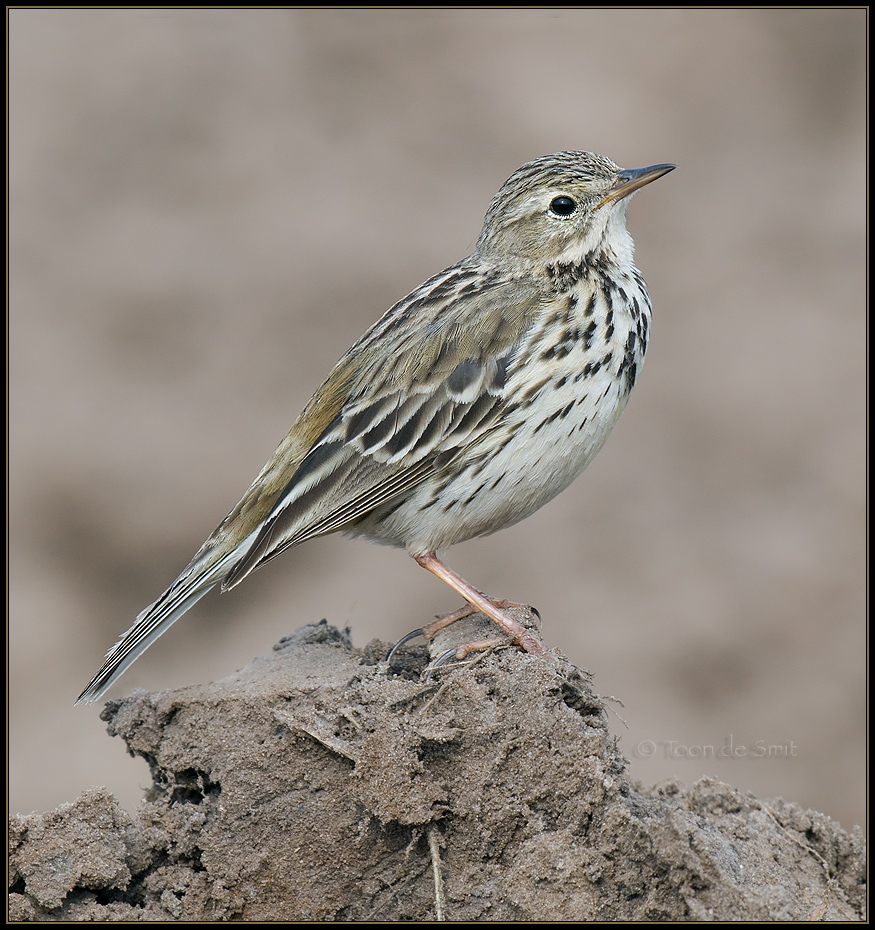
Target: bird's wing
{"points": [[428, 380]]}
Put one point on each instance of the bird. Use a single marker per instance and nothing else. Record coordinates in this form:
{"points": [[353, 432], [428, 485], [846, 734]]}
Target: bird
{"points": [[466, 407]]}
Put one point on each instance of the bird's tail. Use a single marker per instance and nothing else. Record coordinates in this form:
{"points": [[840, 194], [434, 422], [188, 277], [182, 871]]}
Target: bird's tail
{"points": [[207, 568]]}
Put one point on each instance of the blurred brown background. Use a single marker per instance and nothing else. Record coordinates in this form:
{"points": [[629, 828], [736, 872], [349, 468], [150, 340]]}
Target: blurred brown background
{"points": [[207, 207]]}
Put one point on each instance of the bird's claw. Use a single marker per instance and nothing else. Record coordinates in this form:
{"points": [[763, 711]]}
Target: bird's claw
{"points": [[404, 639]]}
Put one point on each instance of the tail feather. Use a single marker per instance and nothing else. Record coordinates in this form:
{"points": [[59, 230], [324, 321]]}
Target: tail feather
{"points": [[202, 574]]}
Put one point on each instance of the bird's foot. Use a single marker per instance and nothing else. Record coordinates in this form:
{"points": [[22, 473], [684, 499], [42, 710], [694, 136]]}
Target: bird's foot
{"points": [[448, 642]]}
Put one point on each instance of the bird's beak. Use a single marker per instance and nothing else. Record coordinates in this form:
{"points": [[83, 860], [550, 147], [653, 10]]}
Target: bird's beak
{"points": [[630, 179]]}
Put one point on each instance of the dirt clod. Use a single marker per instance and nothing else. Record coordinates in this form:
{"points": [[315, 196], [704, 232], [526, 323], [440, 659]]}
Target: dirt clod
{"points": [[321, 783]]}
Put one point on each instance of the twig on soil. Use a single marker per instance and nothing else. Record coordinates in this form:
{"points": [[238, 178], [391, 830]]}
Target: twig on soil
{"points": [[435, 848], [331, 743]]}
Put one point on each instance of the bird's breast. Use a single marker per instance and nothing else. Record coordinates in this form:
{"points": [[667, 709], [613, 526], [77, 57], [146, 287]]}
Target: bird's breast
{"points": [[567, 384]]}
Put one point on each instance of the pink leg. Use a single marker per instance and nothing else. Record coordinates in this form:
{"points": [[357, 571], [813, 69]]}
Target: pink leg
{"points": [[429, 630], [479, 602], [443, 620]]}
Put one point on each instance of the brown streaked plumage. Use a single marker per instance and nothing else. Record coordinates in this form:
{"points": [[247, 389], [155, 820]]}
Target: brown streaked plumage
{"points": [[466, 407]]}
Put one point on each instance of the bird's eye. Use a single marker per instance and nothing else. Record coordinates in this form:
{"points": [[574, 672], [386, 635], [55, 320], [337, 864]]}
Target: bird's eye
{"points": [[562, 206]]}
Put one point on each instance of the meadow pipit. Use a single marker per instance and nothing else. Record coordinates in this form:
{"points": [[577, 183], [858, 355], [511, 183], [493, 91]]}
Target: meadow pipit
{"points": [[466, 407]]}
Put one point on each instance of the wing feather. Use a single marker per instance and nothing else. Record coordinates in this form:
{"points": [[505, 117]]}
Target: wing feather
{"points": [[412, 406], [423, 383]]}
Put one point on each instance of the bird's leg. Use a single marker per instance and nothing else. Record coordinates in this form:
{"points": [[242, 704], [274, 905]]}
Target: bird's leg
{"points": [[429, 630], [478, 601], [446, 619]]}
